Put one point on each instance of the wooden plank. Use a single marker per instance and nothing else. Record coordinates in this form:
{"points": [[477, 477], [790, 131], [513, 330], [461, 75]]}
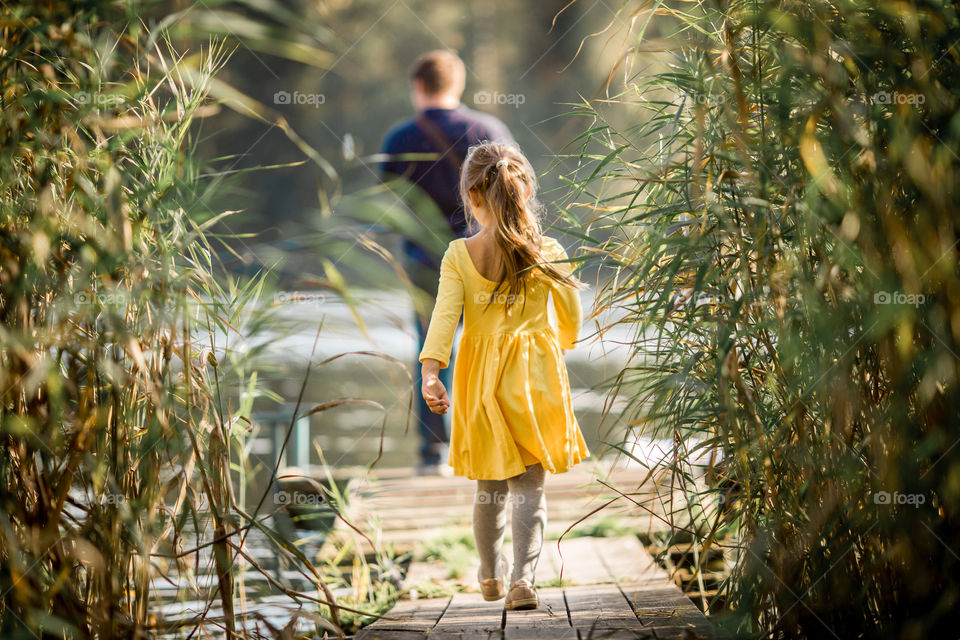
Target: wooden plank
{"points": [[469, 617], [570, 510], [406, 540], [663, 609], [411, 616], [454, 494], [627, 561], [599, 608], [557, 522], [576, 558], [591, 560], [389, 634], [386, 482], [582, 563], [549, 620]]}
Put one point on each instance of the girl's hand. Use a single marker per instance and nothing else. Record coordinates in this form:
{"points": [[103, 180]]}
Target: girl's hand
{"points": [[434, 393]]}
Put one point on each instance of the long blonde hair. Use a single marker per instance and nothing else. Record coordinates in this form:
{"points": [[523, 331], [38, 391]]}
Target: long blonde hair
{"points": [[501, 178]]}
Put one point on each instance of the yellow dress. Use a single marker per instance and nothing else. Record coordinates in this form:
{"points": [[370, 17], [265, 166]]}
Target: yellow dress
{"points": [[511, 397]]}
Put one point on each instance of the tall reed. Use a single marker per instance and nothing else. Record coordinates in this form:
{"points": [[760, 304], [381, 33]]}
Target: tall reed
{"points": [[119, 446], [775, 184]]}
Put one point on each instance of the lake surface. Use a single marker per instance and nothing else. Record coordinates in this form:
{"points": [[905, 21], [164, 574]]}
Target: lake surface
{"points": [[374, 346]]}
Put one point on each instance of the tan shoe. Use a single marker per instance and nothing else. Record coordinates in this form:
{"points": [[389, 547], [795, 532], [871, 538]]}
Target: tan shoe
{"points": [[492, 589], [522, 596]]}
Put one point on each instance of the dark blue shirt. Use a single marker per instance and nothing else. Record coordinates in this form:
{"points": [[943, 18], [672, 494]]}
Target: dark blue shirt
{"points": [[463, 127]]}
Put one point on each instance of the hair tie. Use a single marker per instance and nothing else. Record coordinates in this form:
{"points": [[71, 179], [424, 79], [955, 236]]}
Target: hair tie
{"points": [[503, 163]]}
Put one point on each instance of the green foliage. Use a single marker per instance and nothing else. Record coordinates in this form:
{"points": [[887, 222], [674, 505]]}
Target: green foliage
{"points": [[454, 548], [370, 594], [781, 211], [98, 263], [125, 387]]}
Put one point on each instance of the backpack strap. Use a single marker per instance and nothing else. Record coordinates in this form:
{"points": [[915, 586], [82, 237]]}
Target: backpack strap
{"points": [[446, 148]]}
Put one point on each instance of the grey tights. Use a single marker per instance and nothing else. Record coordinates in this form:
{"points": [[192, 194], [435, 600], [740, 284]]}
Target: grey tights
{"points": [[528, 521]]}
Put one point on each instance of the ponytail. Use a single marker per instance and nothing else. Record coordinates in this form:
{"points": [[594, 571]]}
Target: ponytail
{"points": [[504, 180]]}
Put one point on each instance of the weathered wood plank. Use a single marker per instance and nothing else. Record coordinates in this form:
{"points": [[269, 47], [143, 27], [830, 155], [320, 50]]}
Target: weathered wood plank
{"points": [[410, 616], [591, 560], [574, 560], [662, 608], [550, 620], [599, 607], [583, 563], [469, 617], [626, 560]]}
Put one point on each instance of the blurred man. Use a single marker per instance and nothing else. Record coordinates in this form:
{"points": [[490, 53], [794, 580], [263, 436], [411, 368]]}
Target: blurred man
{"points": [[446, 128]]}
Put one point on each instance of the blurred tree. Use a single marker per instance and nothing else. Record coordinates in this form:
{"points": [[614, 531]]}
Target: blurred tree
{"points": [[510, 49]]}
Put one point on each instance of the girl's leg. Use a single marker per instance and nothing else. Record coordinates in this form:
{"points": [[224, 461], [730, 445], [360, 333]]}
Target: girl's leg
{"points": [[489, 522], [529, 520]]}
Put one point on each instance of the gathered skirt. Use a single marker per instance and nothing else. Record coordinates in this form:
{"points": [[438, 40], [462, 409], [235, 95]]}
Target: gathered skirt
{"points": [[511, 407]]}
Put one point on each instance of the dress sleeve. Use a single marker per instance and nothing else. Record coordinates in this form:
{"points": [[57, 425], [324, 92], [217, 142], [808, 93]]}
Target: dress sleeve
{"points": [[566, 300], [446, 313]]}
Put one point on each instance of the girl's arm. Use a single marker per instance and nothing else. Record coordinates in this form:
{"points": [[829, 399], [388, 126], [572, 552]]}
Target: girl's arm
{"points": [[446, 313], [433, 390], [435, 354], [566, 301]]}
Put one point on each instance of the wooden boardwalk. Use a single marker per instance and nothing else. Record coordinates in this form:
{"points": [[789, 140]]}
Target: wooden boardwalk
{"points": [[406, 506], [590, 587], [616, 591]]}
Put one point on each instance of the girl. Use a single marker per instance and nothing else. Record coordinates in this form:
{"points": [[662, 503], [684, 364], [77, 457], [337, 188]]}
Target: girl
{"points": [[513, 419]]}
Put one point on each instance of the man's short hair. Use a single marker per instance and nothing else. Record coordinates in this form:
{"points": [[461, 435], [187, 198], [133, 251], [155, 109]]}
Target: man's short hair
{"points": [[440, 71]]}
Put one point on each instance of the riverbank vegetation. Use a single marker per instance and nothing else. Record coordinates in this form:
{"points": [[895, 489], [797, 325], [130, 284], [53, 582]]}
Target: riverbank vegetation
{"points": [[778, 183]]}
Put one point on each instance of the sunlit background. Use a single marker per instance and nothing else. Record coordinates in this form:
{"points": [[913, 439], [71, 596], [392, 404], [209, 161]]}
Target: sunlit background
{"points": [[530, 64], [203, 312]]}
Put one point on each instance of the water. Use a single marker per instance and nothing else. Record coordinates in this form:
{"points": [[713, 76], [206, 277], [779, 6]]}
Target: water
{"points": [[367, 361]]}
